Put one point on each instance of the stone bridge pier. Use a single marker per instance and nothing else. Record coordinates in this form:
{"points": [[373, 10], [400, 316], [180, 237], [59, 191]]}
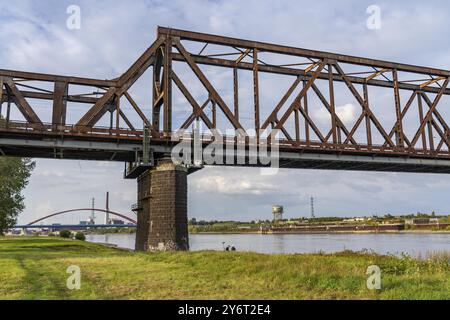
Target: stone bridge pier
{"points": [[162, 208]]}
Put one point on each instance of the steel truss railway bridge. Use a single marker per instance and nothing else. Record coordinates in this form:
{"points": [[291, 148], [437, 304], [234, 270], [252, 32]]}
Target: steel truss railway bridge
{"points": [[400, 124]]}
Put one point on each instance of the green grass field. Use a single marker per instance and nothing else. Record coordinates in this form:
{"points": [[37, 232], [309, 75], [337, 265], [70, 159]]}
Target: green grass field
{"points": [[35, 268]]}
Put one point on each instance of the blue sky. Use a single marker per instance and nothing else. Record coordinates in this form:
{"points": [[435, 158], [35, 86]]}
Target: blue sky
{"points": [[34, 37]]}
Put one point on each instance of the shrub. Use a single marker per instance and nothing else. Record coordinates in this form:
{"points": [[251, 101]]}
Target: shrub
{"points": [[80, 236], [65, 234]]}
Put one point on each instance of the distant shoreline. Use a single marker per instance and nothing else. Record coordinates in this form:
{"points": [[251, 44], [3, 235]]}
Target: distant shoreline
{"points": [[337, 232], [305, 233]]}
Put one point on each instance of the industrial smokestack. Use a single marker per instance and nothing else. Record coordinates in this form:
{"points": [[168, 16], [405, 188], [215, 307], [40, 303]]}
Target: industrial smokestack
{"points": [[92, 218]]}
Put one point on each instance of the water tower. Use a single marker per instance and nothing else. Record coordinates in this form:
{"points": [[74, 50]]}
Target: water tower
{"points": [[277, 212]]}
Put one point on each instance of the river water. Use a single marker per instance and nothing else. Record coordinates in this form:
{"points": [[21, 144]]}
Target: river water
{"points": [[413, 244]]}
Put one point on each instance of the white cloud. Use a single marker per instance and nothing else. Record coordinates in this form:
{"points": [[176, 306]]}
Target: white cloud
{"points": [[229, 184], [347, 114]]}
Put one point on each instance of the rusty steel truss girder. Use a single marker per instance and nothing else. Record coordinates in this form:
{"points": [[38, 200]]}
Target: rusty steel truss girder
{"points": [[427, 89]]}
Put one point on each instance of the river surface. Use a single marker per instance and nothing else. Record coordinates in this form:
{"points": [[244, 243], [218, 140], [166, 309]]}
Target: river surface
{"points": [[413, 244]]}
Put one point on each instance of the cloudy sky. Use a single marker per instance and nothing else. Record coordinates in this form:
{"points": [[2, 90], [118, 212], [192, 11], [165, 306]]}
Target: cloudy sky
{"points": [[34, 37]]}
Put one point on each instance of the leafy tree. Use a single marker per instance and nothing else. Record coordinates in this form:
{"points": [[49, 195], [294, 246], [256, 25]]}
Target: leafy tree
{"points": [[14, 174], [65, 234], [80, 236]]}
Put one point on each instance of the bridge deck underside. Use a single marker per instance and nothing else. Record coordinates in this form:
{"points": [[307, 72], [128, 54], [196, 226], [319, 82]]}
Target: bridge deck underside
{"points": [[124, 150], [364, 166]]}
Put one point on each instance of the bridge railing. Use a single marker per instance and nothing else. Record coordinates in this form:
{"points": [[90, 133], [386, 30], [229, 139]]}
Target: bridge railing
{"points": [[21, 127]]}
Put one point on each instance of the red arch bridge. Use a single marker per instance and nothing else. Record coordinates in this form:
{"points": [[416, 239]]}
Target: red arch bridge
{"points": [[35, 224]]}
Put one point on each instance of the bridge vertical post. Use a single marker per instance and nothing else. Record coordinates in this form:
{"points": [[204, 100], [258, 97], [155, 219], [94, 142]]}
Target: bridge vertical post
{"points": [[59, 105], [167, 81], [162, 208], [398, 108], [157, 87]]}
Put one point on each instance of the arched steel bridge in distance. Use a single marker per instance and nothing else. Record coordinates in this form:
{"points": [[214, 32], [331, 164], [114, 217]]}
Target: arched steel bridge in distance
{"points": [[33, 224]]}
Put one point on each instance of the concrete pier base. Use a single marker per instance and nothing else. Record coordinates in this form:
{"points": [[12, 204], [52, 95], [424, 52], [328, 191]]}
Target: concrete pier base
{"points": [[162, 209]]}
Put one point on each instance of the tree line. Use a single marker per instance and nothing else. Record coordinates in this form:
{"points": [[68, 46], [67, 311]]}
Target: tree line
{"points": [[14, 175]]}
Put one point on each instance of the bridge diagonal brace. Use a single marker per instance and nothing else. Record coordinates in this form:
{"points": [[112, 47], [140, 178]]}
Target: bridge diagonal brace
{"points": [[376, 74], [445, 137], [432, 81], [356, 126], [300, 97], [198, 111], [213, 93], [97, 111], [127, 121], [403, 114], [192, 117], [283, 100], [311, 124], [140, 66], [435, 112], [123, 84], [286, 133], [340, 123], [22, 104], [138, 110], [430, 112], [363, 104]]}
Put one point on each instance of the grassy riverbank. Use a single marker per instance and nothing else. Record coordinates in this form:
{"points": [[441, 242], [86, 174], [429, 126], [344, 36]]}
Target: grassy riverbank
{"points": [[35, 268]]}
